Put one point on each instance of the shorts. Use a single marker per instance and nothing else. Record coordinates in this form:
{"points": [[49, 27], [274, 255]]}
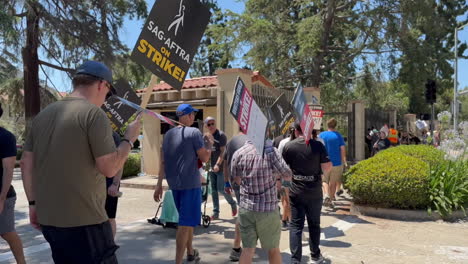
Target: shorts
{"points": [[188, 204], [93, 244], [263, 226], [334, 175], [7, 217]]}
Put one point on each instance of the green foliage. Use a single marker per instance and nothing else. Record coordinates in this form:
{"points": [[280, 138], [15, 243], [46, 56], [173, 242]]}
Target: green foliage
{"points": [[137, 76], [449, 187], [132, 166], [390, 180], [426, 153], [215, 51]]}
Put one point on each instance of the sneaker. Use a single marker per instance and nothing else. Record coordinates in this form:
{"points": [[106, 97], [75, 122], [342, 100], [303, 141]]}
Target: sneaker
{"points": [[339, 193], [327, 202], [214, 217], [317, 259], [235, 255], [285, 224], [195, 258], [234, 211]]}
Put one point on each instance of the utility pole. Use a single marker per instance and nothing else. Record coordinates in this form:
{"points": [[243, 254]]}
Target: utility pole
{"points": [[455, 82]]}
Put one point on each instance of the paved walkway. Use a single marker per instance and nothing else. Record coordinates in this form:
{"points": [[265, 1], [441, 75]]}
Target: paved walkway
{"points": [[345, 238]]}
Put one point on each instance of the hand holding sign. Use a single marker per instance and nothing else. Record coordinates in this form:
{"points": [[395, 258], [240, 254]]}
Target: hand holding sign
{"points": [[133, 129]]}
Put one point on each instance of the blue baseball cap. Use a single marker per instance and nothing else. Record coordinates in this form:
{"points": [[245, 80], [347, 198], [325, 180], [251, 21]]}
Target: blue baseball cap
{"points": [[185, 109], [97, 69]]}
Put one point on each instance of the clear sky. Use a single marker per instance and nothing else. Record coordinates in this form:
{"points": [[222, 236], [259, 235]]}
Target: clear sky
{"points": [[131, 30]]}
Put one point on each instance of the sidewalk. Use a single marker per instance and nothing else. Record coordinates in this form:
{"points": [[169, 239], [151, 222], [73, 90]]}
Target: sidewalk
{"points": [[142, 182]]}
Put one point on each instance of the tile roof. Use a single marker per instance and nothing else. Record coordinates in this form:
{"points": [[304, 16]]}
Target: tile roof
{"points": [[202, 82]]}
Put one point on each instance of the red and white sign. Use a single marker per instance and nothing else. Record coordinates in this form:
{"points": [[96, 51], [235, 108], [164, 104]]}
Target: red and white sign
{"points": [[248, 115], [317, 114]]}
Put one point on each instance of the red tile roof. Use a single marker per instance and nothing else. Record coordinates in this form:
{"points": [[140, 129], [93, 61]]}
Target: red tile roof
{"points": [[202, 82], [258, 77]]}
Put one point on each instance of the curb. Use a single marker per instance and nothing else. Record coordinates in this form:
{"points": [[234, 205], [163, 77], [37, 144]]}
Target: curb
{"points": [[403, 215], [141, 186]]}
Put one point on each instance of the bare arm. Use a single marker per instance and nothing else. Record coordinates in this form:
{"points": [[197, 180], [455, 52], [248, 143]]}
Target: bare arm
{"points": [[343, 155], [108, 165], [117, 178], [204, 154], [221, 155], [8, 167], [326, 166], [161, 174], [27, 174], [157, 196]]}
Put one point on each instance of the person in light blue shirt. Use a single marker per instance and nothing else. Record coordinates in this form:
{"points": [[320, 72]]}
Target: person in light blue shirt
{"points": [[335, 145]]}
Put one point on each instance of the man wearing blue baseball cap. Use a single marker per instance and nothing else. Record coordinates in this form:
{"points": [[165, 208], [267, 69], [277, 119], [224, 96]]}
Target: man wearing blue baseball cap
{"points": [[182, 147], [69, 149]]}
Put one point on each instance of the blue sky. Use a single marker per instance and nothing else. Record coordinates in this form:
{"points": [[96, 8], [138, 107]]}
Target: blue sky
{"points": [[131, 30]]}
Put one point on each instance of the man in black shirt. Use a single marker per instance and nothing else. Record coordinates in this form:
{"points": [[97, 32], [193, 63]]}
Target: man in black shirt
{"points": [[7, 193], [307, 162]]}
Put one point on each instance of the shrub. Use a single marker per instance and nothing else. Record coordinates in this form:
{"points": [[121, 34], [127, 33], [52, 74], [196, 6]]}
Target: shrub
{"points": [[449, 187], [390, 179], [133, 165], [426, 153]]}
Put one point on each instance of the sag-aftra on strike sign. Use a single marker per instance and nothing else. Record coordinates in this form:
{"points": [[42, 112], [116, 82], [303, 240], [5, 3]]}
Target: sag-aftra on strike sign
{"points": [[170, 39]]}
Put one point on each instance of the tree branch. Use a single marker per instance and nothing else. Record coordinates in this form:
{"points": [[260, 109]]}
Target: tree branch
{"points": [[20, 14], [50, 65]]}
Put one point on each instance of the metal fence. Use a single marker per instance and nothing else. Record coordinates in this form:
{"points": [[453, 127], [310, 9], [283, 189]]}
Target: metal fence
{"points": [[376, 118], [346, 127]]}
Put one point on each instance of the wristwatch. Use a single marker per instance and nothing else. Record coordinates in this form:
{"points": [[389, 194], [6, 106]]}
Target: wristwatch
{"points": [[31, 203]]}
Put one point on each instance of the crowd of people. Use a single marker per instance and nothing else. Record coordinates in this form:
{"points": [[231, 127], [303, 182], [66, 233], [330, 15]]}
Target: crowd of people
{"points": [[377, 140], [71, 156]]}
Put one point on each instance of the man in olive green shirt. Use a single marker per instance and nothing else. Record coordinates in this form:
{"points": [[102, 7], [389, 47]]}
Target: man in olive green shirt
{"points": [[69, 149]]}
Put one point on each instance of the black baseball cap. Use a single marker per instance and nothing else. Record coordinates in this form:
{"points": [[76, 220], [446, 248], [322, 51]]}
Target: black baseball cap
{"points": [[99, 70]]}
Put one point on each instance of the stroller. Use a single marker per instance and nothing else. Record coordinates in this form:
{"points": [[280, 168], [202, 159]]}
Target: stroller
{"points": [[170, 217]]}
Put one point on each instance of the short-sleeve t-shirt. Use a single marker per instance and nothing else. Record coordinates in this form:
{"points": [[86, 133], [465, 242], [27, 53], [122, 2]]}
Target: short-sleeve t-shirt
{"points": [[7, 150], [333, 142], [220, 141], [305, 160], [233, 145], [180, 148], [66, 138]]}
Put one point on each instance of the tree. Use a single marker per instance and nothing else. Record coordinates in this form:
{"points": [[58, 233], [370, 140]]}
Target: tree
{"points": [[137, 75], [424, 39], [214, 51], [65, 33]]}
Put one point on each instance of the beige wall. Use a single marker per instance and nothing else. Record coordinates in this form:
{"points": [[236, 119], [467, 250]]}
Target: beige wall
{"points": [[152, 138], [227, 79]]}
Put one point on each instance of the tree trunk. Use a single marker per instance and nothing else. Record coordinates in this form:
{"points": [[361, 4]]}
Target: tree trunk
{"points": [[32, 100], [319, 60]]}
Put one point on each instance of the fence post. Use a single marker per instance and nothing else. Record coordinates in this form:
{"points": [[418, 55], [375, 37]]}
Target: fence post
{"points": [[358, 110]]}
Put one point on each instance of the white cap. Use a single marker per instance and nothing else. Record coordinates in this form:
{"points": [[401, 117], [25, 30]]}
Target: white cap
{"points": [[208, 119]]}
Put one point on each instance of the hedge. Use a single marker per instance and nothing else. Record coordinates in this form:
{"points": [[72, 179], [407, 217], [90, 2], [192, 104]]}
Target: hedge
{"points": [[133, 165], [390, 180], [426, 153]]}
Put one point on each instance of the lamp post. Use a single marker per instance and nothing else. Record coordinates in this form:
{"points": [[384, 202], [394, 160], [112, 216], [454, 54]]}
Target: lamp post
{"points": [[455, 83]]}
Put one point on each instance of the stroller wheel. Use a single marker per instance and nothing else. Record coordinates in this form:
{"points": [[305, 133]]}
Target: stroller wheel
{"points": [[206, 221]]}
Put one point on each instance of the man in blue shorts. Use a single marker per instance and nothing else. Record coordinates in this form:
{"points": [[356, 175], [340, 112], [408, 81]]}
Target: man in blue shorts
{"points": [[182, 147]]}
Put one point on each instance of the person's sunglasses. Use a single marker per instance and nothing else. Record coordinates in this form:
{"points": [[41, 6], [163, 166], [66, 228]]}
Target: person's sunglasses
{"points": [[210, 124], [111, 90]]}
